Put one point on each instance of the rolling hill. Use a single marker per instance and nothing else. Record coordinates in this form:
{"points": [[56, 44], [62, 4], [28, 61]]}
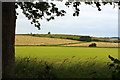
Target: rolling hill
{"points": [[31, 40], [55, 41]]}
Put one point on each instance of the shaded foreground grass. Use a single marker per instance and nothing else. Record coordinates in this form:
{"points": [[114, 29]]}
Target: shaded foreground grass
{"points": [[33, 68], [63, 62]]}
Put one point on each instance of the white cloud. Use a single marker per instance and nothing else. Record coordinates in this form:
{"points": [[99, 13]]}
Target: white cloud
{"points": [[90, 22]]}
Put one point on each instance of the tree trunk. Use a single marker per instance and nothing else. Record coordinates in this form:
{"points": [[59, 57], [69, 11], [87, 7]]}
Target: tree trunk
{"points": [[8, 39]]}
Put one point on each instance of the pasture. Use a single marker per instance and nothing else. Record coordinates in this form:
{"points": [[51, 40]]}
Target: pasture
{"points": [[67, 62], [60, 53]]}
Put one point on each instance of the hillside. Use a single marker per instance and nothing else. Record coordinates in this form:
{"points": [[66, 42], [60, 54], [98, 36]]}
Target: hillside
{"points": [[34, 40], [72, 37], [31, 40]]}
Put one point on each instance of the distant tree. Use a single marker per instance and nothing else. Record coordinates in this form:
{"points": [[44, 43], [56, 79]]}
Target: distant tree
{"points": [[85, 38], [93, 45], [33, 34], [49, 32]]}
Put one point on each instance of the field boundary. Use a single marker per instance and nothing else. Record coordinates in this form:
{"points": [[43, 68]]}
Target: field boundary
{"points": [[56, 44], [61, 46]]}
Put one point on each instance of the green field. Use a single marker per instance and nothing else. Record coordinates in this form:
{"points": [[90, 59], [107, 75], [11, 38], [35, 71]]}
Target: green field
{"points": [[60, 53], [63, 62]]}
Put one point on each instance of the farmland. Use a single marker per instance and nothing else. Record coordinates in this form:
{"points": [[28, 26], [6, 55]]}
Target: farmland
{"points": [[30, 40], [99, 44], [71, 37], [47, 57], [72, 62], [33, 40], [60, 53]]}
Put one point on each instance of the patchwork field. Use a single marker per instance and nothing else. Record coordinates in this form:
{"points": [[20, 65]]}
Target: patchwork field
{"points": [[46, 57], [32, 40]]}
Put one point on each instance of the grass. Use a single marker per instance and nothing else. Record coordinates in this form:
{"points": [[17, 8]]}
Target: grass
{"points": [[31, 68], [60, 53], [63, 62]]}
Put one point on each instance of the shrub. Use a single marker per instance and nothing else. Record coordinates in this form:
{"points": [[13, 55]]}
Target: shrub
{"points": [[33, 34], [92, 45], [116, 68]]}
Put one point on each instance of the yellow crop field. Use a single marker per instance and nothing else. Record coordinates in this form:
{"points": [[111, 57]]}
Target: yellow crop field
{"points": [[99, 44], [30, 40]]}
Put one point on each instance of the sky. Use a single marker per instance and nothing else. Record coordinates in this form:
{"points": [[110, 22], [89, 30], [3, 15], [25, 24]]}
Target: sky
{"points": [[90, 22]]}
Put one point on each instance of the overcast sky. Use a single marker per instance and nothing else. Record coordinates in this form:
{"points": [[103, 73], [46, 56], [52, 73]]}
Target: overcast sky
{"points": [[90, 22]]}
